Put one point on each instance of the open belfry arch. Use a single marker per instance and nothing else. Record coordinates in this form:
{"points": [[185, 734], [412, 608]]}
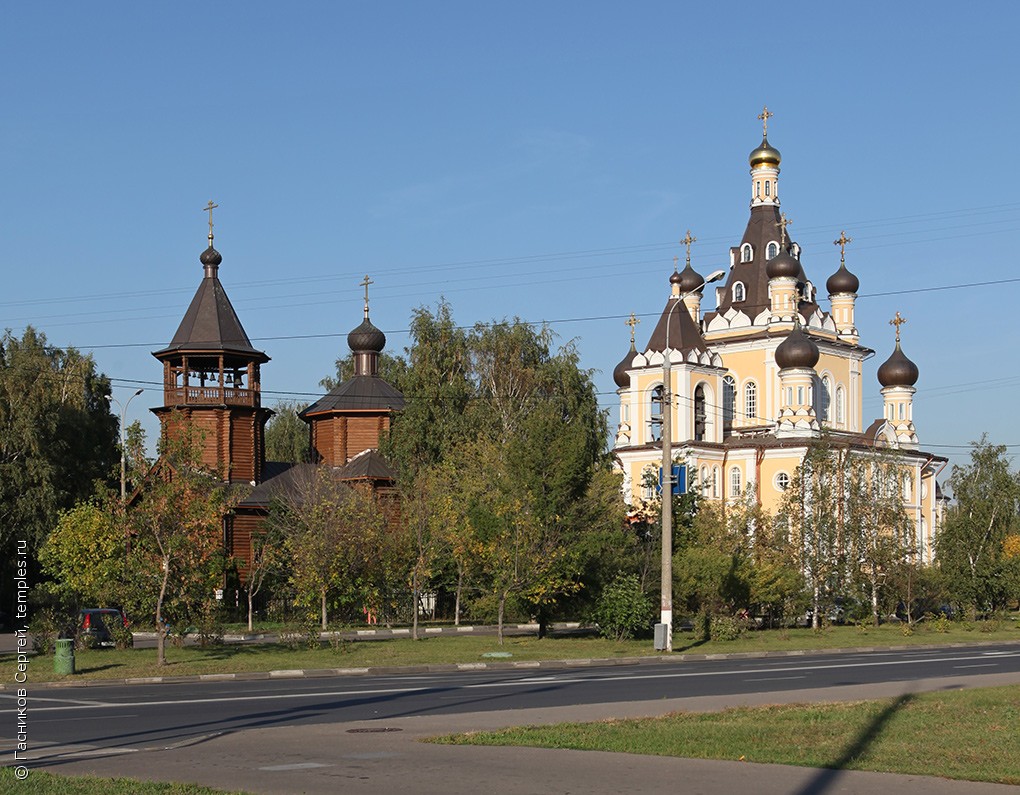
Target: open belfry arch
{"points": [[755, 380]]}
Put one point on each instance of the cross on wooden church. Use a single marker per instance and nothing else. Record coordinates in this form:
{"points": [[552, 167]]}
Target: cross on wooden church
{"points": [[898, 321], [841, 242], [765, 115], [364, 283], [210, 207]]}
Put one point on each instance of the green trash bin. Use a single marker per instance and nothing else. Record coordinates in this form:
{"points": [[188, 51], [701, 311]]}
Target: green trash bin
{"points": [[63, 659]]}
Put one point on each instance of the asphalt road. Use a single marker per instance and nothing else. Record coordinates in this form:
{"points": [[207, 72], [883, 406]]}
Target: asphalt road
{"points": [[140, 715], [358, 734]]}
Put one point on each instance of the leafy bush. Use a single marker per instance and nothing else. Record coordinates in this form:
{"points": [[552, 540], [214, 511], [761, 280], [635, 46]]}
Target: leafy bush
{"points": [[622, 610], [122, 637], [726, 628]]}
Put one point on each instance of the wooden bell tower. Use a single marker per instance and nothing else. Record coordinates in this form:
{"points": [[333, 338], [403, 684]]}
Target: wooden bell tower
{"points": [[211, 380]]}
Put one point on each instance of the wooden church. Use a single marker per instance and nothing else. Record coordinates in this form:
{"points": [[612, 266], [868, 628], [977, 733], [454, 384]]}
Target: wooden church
{"points": [[212, 383]]}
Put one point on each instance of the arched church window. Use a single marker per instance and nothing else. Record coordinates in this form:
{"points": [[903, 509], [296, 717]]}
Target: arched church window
{"points": [[751, 401], [840, 406], [795, 250], [715, 482], [824, 398], [738, 292], [655, 414], [700, 414], [735, 480], [746, 252], [729, 401], [772, 250], [767, 185]]}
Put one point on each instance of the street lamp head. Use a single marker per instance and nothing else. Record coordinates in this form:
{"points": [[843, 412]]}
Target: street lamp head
{"points": [[139, 391], [715, 276]]}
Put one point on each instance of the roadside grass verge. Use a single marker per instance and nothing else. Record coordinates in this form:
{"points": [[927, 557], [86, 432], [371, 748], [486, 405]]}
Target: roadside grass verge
{"points": [[255, 657], [966, 734], [42, 783]]}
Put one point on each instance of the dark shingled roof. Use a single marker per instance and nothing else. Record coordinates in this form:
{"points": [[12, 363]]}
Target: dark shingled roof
{"points": [[761, 230], [285, 481], [684, 334], [211, 324], [360, 393]]}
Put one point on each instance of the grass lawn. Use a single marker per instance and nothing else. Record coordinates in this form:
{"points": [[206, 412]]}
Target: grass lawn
{"points": [[966, 734], [235, 658], [41, 783]]}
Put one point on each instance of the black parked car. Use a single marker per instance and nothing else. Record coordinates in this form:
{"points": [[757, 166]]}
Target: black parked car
{"points": [[96, 623]]}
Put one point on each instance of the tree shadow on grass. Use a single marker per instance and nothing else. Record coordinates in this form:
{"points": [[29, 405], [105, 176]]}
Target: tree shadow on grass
{"points": [[826, 778]]}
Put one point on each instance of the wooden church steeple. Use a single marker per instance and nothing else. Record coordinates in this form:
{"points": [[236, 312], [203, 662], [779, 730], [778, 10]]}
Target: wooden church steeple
{"points": [[211, 380]]}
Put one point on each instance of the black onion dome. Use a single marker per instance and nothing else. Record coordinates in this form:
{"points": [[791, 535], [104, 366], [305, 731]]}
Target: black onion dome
{"points": [[689, 280], [366, 337], [898, 370], [620, 374], [211, 257], [797, 350], [765, 153], [783, 264], [842, 281]]}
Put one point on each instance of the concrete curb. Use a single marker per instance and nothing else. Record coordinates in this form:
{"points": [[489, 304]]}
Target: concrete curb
{"points": [[384, 670]]}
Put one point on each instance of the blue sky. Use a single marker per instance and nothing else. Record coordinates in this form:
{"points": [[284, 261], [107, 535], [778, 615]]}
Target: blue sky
{"points": [[538, 160]]}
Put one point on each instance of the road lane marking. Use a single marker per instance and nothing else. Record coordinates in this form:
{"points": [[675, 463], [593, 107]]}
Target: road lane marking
{"points": [[295, 766], [34, 698], [775, 678], [978, 665]]}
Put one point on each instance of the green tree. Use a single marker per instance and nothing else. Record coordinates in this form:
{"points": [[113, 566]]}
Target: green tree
{"points": [[176, 557], [268, 562], [287, 437], [971, 545], [438, 390], [57, 437], [332, 532], [811, 511], [86, 553]]}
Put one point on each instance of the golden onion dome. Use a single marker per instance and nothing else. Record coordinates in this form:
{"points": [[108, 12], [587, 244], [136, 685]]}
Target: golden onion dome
{"points": [[764, 154]]}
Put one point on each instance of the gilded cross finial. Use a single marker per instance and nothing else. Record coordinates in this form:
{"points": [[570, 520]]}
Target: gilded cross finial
{"points": [[841, 242], [898, 321], [364, 283], [632, 322], [765, 115], [210, 207], [783, 223], [687, 240]]}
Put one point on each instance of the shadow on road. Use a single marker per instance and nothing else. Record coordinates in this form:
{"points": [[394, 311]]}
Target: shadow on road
{"points": [[826, 778]]}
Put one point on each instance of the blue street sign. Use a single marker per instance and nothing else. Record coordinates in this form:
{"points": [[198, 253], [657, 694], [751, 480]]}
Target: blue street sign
{"points": [[679, 477]]}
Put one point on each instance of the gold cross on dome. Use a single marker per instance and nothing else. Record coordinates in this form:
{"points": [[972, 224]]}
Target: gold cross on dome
{"points": [[687, 240], [898, 321], [841, 242], [210, 207], [364, 283], [765, 115], [783, 223], [632, 322]]}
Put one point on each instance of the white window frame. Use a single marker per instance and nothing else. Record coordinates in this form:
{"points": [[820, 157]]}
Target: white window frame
{"points": [[750, 401]]}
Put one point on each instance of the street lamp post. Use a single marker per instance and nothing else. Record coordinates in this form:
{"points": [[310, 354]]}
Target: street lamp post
{"points": [[123, 442], [666, 584]]}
